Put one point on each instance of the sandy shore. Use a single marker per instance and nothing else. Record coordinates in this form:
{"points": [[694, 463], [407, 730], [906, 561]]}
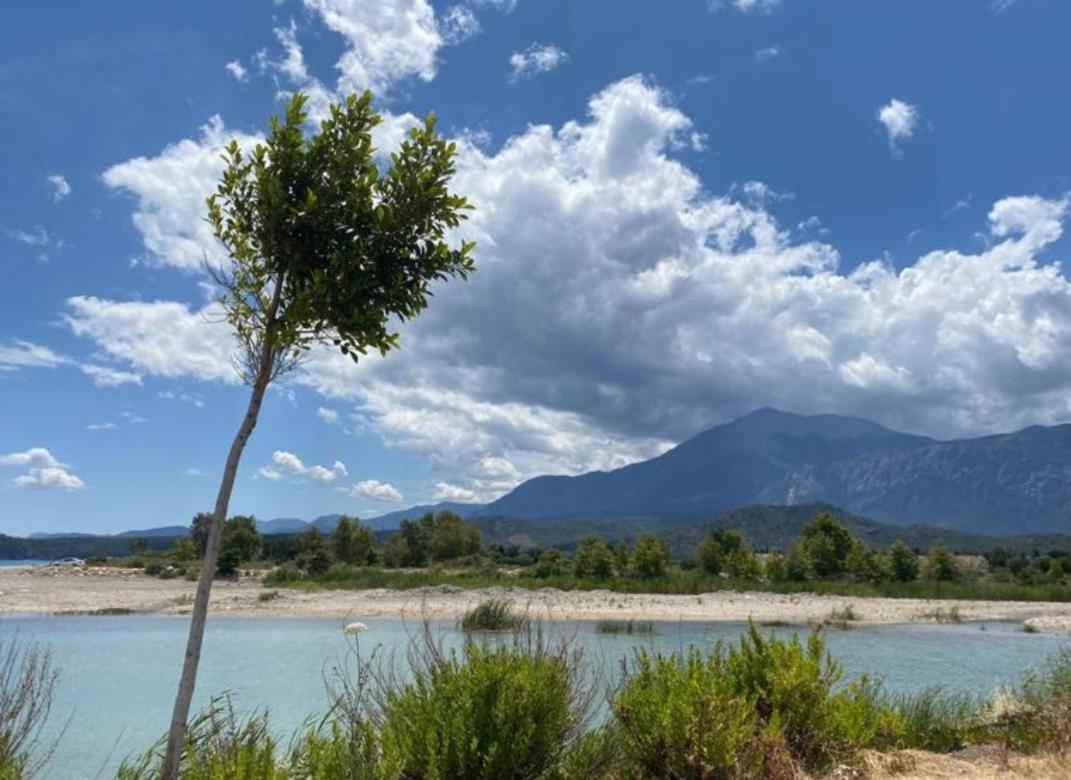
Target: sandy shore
{"points": [[92, 590]]}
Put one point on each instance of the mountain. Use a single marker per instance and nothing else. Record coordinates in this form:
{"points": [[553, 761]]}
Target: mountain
{"points": [[282, 525], [392, 520], [167, 532], [1003, 484]]}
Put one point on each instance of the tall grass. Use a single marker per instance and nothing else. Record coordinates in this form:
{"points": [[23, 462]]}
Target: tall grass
{"points": [[492, 615], [629, 627], [27, 693]]}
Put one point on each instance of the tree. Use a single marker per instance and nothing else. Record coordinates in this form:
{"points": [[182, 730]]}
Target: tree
{"points": [[139, 546], [774, 569], [353, 542], [183, 549], [315, 555], [940, 566], [827, 544], [622, 557], [651, 556], [199, 532], [240, 543], [715, 549], [904, 562], [451, 537], [324, 247], [593, 559]]}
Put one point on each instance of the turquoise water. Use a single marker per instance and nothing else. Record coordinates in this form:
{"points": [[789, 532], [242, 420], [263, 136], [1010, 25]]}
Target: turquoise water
{"points": [[17, 562], [118, 674]]}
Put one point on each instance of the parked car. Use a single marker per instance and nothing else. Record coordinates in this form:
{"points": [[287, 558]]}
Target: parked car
{"points": [[68, 562]]}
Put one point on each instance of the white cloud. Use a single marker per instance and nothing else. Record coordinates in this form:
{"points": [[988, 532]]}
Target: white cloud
{"points": [[767, 53], [133, 418], [283, 462], [237, 70], [171, 189], [196, 399], [37, 239], [900, 121], [48, 479], [103, 376], [661, 310], [386, 41], [376, 490], [104, 426], [329, 416], [444, 491], [35, 456], [536, 59], [61, 188], [44, 471], [459, 24], [192, 472], [162, 338], [745, 6], [24, 354]]}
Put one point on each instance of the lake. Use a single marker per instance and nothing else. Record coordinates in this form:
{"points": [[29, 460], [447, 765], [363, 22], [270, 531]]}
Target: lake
{"points": [[118, 674]]}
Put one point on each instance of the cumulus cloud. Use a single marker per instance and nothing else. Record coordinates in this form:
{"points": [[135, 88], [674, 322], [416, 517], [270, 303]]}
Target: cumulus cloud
{"points": [[104, 426], [767, 53], [44, 471], [170, 194], [61, 188], [386, 41], [536, 59], [619, 306], [162, 338], [377, 491], [287, 463], [900, 121], [444, 491]]}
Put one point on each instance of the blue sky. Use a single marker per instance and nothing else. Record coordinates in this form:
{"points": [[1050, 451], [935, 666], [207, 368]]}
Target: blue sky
{"points": [[684, 211]]}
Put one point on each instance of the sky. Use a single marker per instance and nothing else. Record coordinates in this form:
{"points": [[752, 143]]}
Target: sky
{"points": [[683, 211]]}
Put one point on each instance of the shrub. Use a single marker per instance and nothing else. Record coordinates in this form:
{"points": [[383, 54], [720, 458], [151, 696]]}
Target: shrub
{"points": [[940, 567], [487, 711], [27, 691], [549, 564], [492, 615], [904, 562], [762, 708], [218, 746], [934, 720]]}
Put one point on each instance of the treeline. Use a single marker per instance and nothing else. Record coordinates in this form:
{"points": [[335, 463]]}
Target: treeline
{"points": [[444, 544]]}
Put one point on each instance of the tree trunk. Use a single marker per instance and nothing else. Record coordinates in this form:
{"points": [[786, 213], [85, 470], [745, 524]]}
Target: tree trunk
{"points": [[177, 733]]}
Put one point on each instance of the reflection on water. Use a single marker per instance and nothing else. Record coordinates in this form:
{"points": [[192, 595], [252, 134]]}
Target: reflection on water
{"points": [[118, 674]]}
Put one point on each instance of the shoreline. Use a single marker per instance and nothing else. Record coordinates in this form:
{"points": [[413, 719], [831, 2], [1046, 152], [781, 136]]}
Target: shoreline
{"points": [[102, 591]]}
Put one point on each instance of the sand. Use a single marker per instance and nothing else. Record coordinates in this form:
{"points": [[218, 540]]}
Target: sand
{"points": [[97, 590]]}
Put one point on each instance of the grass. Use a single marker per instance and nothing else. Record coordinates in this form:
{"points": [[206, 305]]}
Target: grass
{"points": [[492, 615], [943, 615], [628, 627], [842, 618], [690, 582]]}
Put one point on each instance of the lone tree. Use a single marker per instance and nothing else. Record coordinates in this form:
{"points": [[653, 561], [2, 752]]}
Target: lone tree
{"points": [[325, 247]]}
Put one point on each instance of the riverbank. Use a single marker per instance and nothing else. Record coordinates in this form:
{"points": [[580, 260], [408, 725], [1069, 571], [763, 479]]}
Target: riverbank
{"points": [[114, 591]]}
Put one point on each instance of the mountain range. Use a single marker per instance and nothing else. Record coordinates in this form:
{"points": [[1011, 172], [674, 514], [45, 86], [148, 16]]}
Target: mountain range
{"points": [[1006, 484]]}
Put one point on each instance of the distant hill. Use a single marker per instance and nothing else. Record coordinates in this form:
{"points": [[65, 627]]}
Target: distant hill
{"points": [[1006, 484]]}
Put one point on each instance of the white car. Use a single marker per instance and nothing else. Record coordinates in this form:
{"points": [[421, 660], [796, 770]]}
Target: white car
{"points": [[68, 562]]}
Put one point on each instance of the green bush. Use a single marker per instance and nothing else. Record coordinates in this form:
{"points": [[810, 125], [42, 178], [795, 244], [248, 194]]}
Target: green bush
{"points": [[218, 746], [492, 615], [487, 711], [935, 720], [761, 708], [650, 558]]}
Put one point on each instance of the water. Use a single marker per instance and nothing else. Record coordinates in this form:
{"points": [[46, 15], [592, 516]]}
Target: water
{"points": [[26, 562], [118, 674]]}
